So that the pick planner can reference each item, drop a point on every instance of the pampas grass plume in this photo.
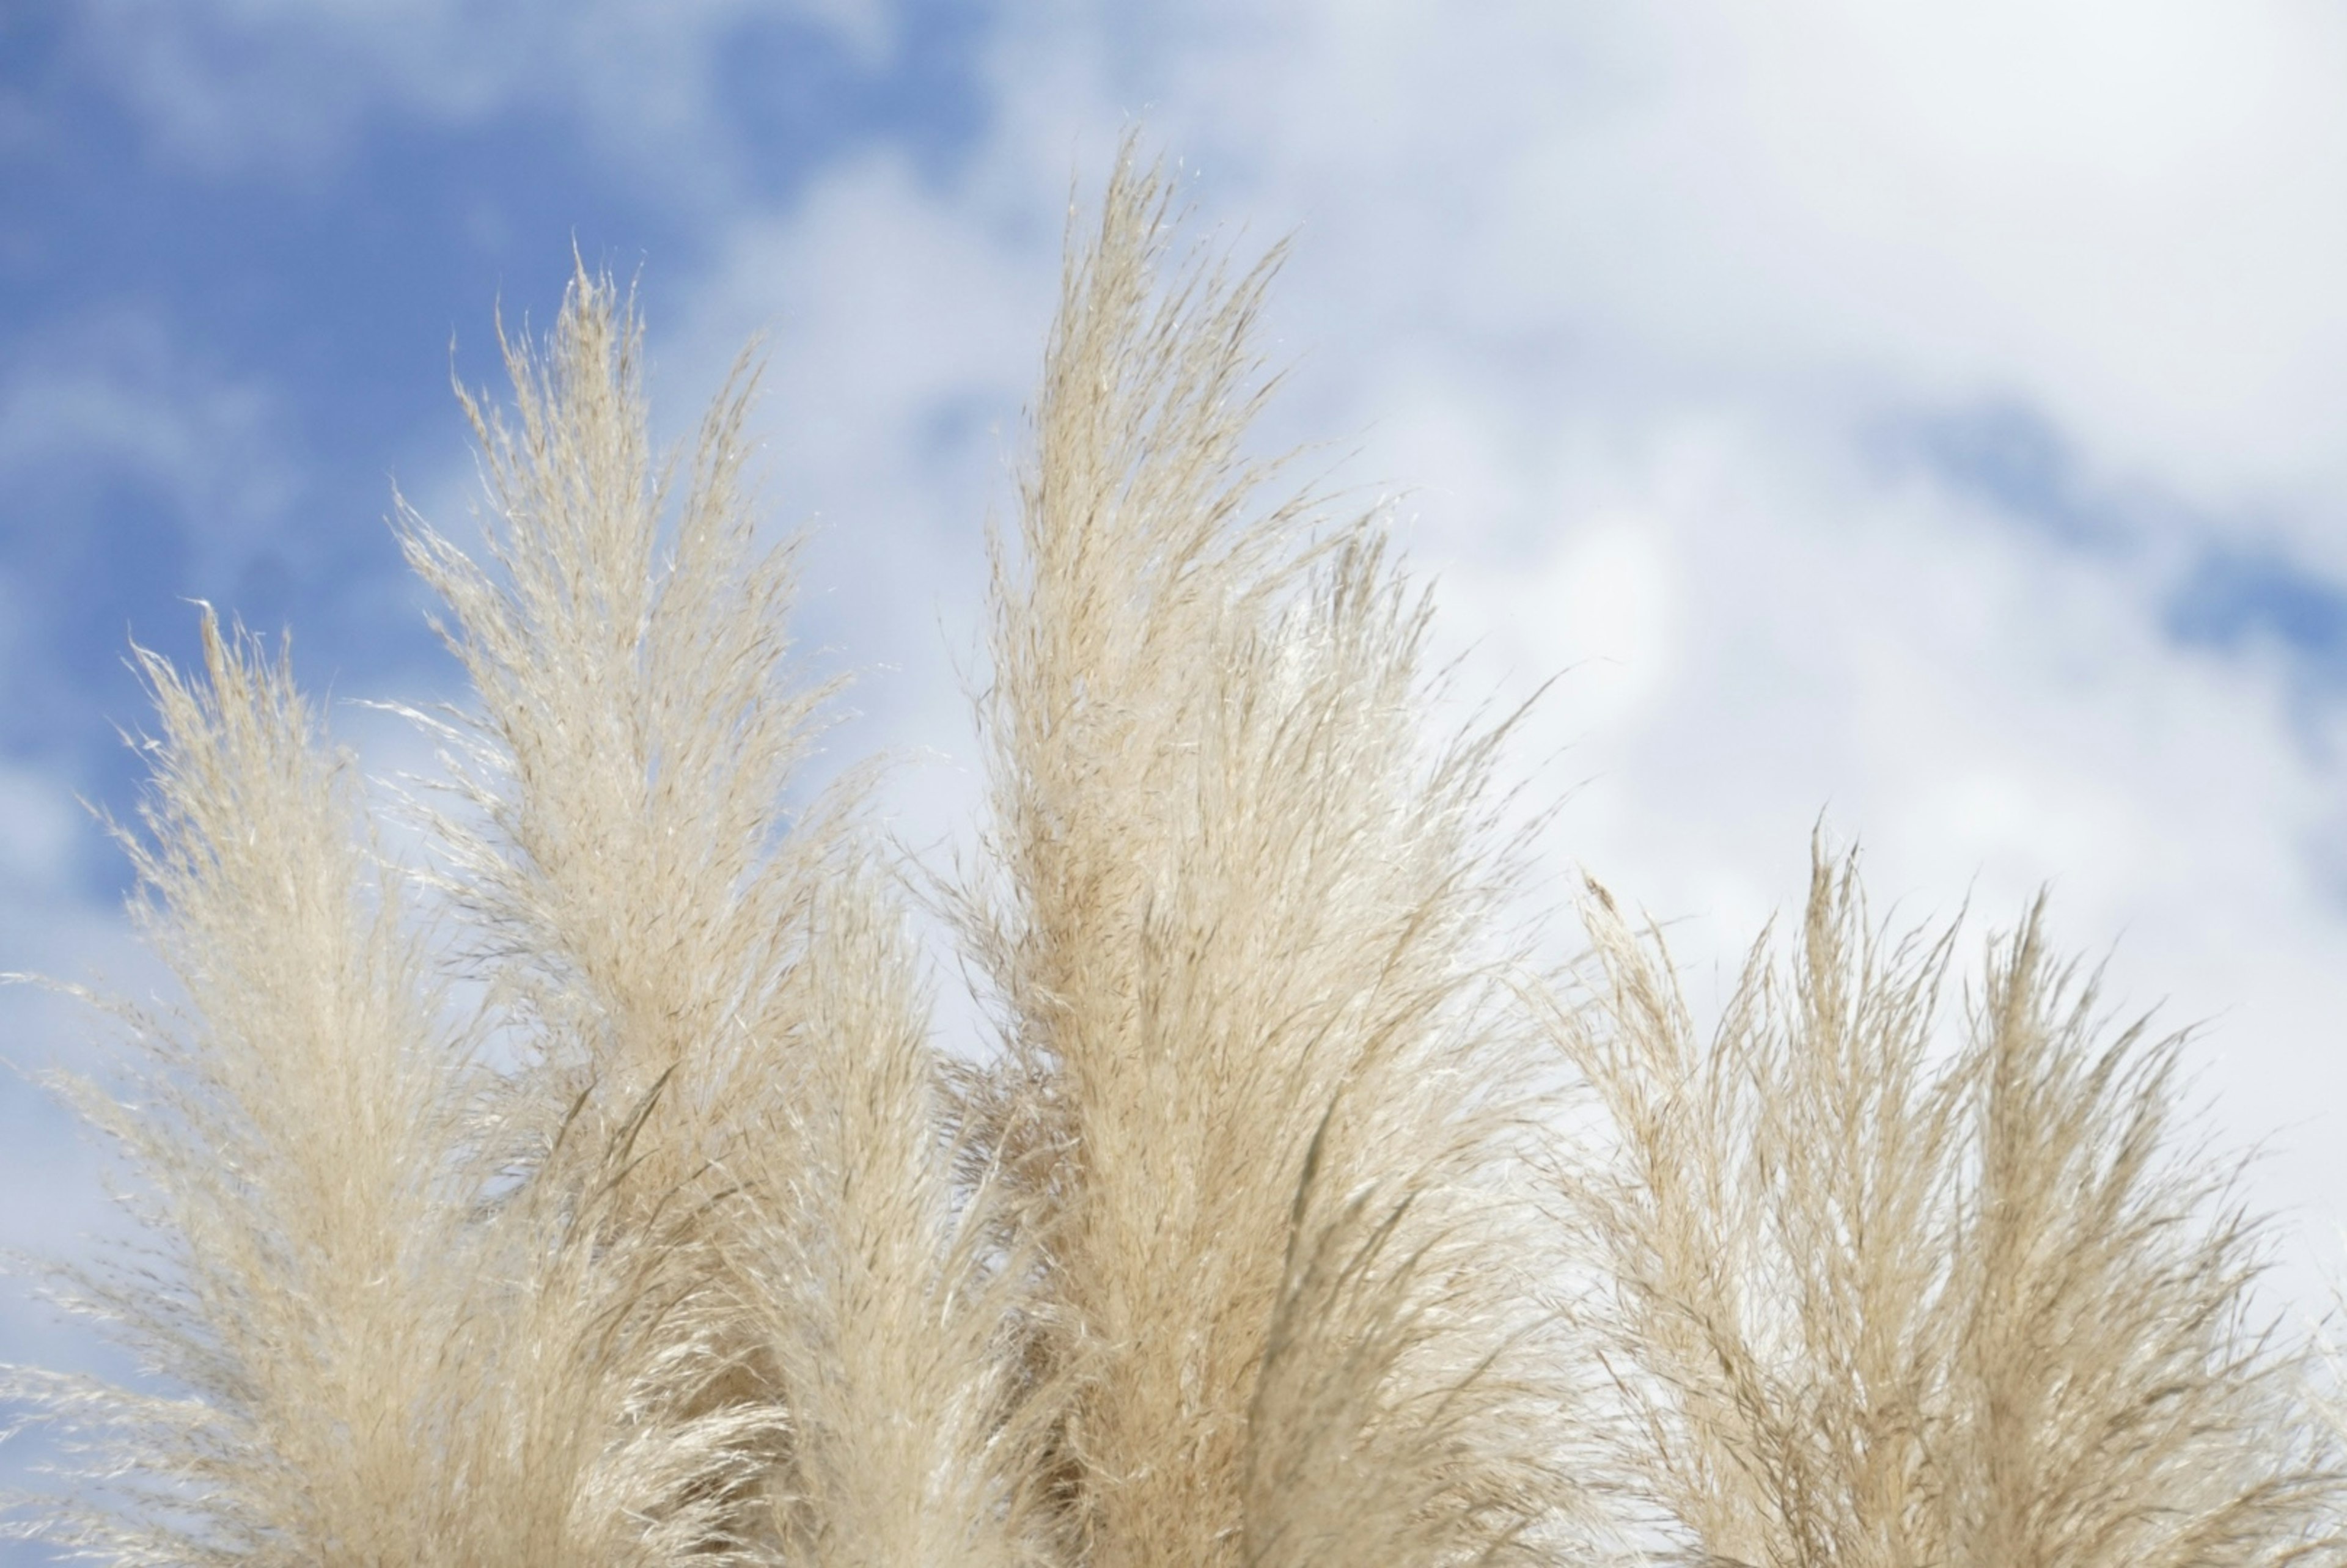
(592, 1191)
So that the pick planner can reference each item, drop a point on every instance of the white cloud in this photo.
(114, 394)
(283, 85)
(902, 332)
(1626, 296)
(2122, 213)
(37, 829)
(1622, 294)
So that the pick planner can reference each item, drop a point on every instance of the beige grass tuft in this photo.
(626, 860)
(1878, 1300)
(360, 1367)
(1245, 902)
(639, 886)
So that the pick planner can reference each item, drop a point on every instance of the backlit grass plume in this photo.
(689, 961)
(361, 1365)
(624, 869)
(593, 1192)
(296, 1118)
(1879, 1297)
(1247, 916)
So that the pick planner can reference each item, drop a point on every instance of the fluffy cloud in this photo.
(1849, 398)
(1855, 400)
(280, 87)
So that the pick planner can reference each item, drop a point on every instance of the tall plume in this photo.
(717, 978)
(1876, 1297)
(1241, 904)
(626, 858)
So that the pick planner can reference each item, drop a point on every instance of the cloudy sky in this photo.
(1925, 415)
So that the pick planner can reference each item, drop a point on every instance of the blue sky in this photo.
(1929, 415)
(221, 344)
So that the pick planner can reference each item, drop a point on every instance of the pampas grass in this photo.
(296, 1120)
(362, 1369)
(1874, 1295)
(1246, 916)
(593, 1192)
